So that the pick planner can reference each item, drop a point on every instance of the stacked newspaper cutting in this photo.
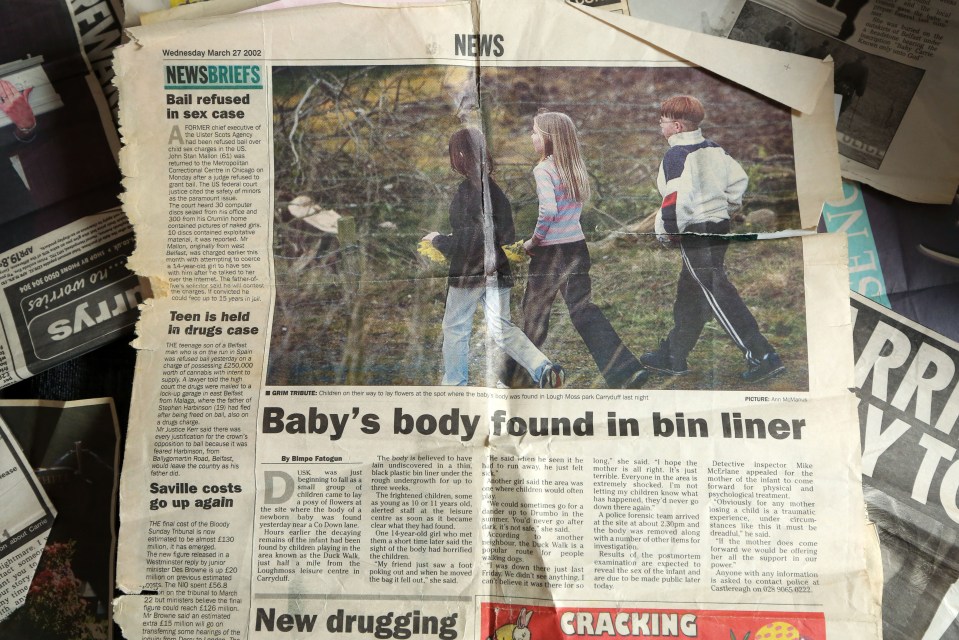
(326, 438)
(298, 181)
(64, 239)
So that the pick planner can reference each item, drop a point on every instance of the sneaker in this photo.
(770, 365)
(553, 377)
(637, 380)
(661, 361)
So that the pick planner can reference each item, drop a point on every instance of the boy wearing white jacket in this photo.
(701, 184)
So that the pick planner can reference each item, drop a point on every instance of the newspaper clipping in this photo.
(64, 286)
(72, 450)
(27, 518)
(905, 335)
(323, 440)
(894, 61)
(905, 379)
(152, 11)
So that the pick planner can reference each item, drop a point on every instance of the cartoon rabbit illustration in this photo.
(521, 630)
(518, 631)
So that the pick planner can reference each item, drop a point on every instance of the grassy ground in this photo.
(634, 285)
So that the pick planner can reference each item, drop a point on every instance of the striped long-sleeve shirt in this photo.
(558, 221)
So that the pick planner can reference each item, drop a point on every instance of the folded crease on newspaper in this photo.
(322, 438)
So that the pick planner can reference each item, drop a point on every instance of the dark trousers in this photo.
(563, 269)
(704, 291)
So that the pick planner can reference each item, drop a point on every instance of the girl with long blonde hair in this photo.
(560, 260)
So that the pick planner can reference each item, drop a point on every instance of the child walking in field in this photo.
(560, 261)
(482, 222)
(700, 184)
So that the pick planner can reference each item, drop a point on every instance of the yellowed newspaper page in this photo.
(325, 434)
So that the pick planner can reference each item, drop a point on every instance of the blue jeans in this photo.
(461, 303)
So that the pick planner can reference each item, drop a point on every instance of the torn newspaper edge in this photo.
(273, 435)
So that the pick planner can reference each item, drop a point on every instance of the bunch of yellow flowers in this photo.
(426, 248)
(514, 252)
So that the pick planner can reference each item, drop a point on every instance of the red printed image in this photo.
(528, 622)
